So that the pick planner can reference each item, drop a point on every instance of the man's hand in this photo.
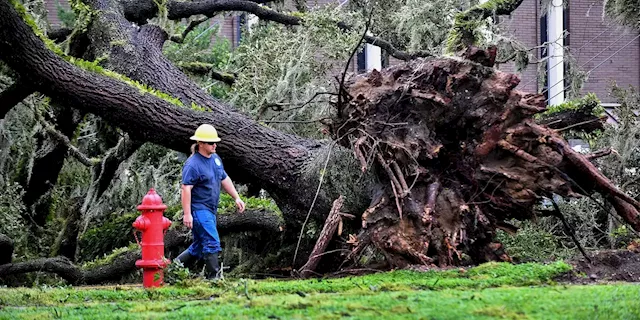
(240, 204)
(188, 220)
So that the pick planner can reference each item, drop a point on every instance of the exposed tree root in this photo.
(465, 139)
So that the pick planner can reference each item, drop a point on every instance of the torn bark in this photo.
(329, 229)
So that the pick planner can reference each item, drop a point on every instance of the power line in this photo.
(584, 64)
(599, 64)
(584, 45)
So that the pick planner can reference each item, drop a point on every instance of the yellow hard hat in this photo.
(206, 133)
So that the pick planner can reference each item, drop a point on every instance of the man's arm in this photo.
(227, 185)
(186, 206)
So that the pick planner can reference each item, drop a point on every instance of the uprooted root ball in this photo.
(458, 154)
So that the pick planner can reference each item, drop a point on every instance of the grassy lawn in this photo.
(492, 290)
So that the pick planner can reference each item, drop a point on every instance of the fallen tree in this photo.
(450, 141)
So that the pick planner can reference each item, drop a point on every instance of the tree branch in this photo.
(112, 160)
(179, 10)
(463, 33)
(600, 154)
(75, 152)
(182, 9)
(192, 25)
(329, 229)
(13, 95)
(59, 35)
(207, 68)
(250, 220)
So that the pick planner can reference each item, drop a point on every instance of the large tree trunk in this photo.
(285, 165)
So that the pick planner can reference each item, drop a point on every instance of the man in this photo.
(202, 176)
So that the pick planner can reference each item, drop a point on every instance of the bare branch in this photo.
(112, 160)
(13, 95)
(58, 265)
(192, 25)
(600, 154)
(75, 152)
(329, 229)
(138, 10)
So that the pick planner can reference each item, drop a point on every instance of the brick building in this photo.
(609, 51)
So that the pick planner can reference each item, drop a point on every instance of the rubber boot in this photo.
(212, 267)
(186, 258)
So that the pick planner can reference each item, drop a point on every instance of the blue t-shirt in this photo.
(204, 174)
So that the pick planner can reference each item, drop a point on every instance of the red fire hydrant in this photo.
(152, 224)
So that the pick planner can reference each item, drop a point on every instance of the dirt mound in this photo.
(608, 265)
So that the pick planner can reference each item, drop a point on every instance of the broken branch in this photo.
(192, 25)
(75, 152)
(329, 229)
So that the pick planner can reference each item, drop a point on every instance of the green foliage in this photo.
(202, 45)
(622, 236)
(151, 166)
(228, 205)
(469, 26)
(624, 12)
(279, 69)
(589, 104)
(108, 259)
(67, 17)
(115, 231)
(533, 242)
(423, 25)
(178, 275)
(11, 212)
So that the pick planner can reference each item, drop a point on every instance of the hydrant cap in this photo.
(152, 201)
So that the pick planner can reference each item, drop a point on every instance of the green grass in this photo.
(490, 290)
